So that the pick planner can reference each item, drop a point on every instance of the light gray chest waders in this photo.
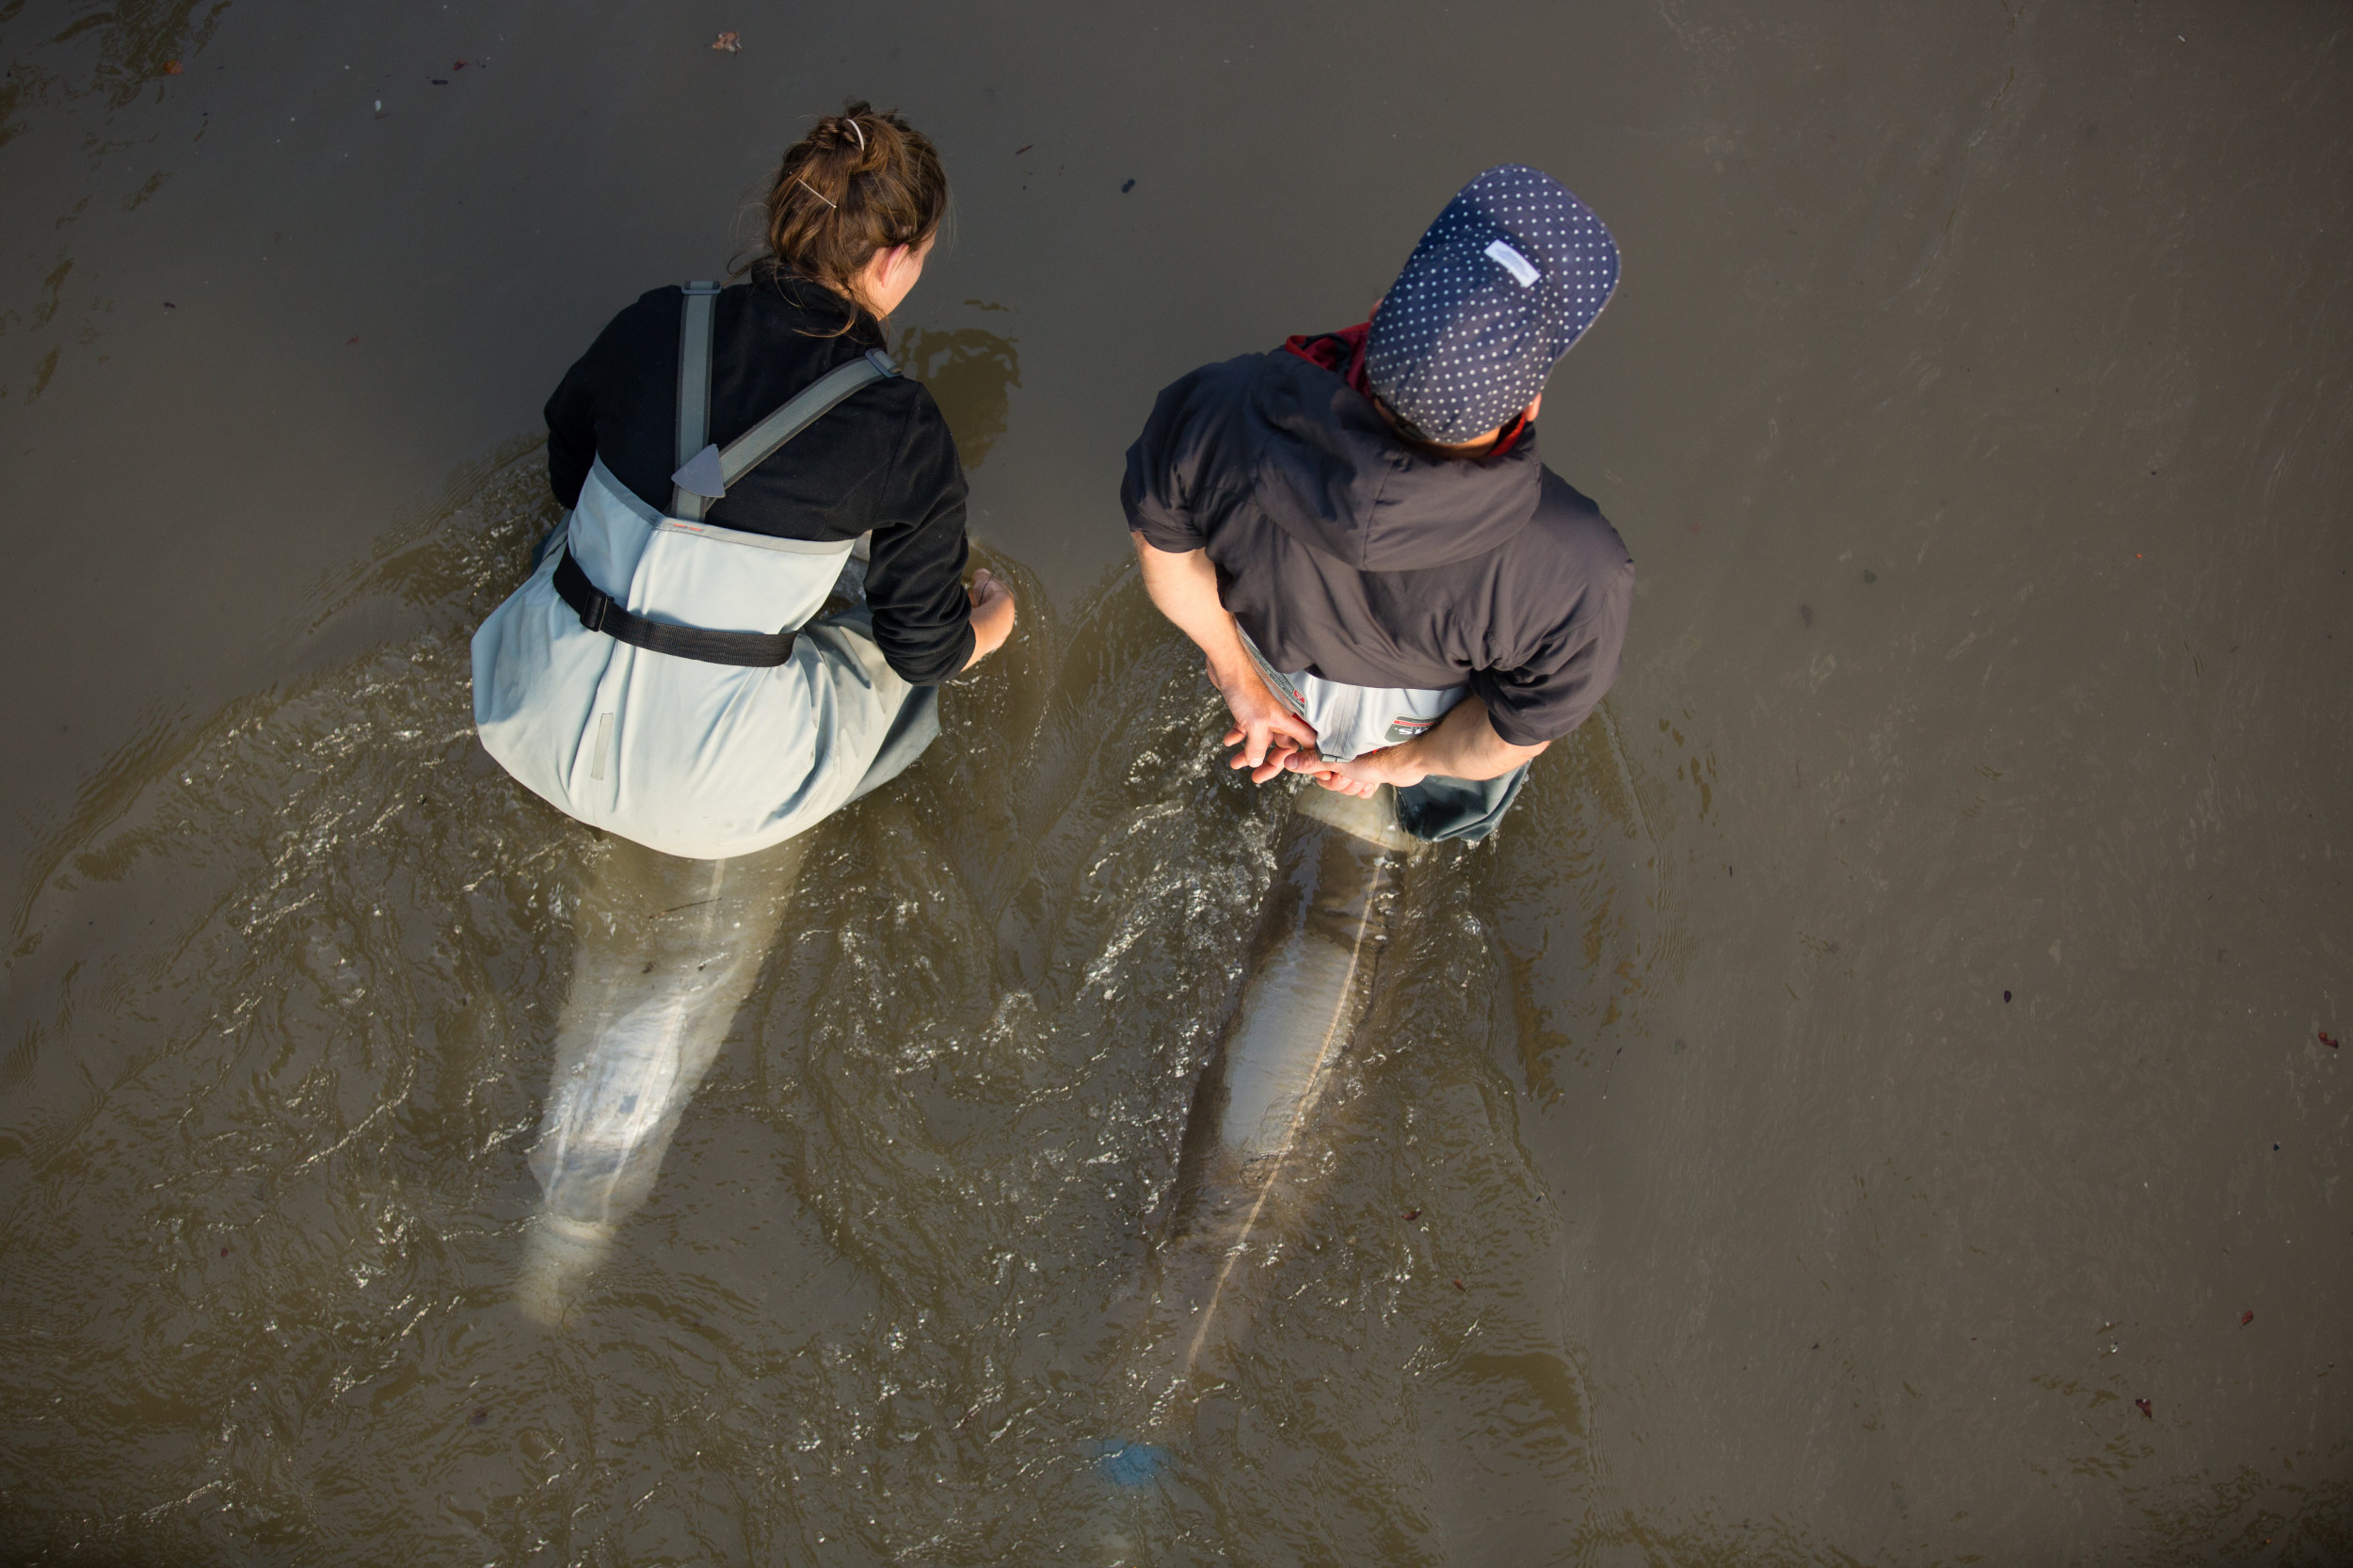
(663, 677)
(705, 474)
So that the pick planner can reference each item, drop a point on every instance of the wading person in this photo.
(1389, 586)
(663, 676)
(1395, 596)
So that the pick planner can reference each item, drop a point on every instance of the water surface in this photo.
(1883, 1047)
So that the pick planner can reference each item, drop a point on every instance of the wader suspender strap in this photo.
(694, 389)
(711, 473)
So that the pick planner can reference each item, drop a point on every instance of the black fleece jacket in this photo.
(1346, 553)
(883, 459)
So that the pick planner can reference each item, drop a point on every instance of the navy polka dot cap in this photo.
(1511, 274)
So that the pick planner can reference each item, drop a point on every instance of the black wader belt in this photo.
(598, 611)
(715, 473)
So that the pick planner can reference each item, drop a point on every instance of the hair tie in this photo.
(855, 132)
(815, 192)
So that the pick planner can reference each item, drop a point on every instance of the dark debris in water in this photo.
(480, 1416)
(1126, 188)
(2326, 1041)
(2246, 1317)
(1412, 1214)
(2146, 1413)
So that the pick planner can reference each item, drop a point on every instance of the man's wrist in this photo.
(1229, 669)
(1406, 763)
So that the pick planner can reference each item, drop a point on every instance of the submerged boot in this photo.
(558, 1259)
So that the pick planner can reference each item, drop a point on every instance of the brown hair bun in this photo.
(860, 182)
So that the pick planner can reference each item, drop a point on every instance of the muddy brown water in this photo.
(1846, 1117)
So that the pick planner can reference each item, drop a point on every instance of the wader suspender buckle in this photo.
(704, 474)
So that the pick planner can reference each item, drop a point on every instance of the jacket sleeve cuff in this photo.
(1160, 528)
(940, 673)
(1523, 723)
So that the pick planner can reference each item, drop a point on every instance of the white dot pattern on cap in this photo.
(1461, 345)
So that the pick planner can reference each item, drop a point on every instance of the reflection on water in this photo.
(970, 372)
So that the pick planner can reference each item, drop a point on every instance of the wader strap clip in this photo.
(758, 445)
(705, 473)
(598, 611)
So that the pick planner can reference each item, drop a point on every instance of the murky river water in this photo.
(1847, 1114)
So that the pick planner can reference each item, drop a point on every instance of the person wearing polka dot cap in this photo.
(1389, 587)
(1502, 285)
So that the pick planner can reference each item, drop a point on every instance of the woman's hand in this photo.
(992, 614)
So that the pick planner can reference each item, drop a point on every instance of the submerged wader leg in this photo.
(1340, 863)
(666, 951)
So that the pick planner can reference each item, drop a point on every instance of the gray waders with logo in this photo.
(1350, 721)
(636, 681)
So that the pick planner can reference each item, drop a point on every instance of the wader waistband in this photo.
(600, 612)
(705, 473)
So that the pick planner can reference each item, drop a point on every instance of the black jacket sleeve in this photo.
(915, 582)
(571, 414)
(1155, 492)
(1562, 675)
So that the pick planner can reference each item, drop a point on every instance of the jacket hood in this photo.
(1333, 475)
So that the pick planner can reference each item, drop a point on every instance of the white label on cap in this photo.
(1512, 263)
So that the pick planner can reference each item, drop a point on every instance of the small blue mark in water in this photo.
(1129, 1463)
(1126, 188)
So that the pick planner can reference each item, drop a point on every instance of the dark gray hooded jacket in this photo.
(1345, 553)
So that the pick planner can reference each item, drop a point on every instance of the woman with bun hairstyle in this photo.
(671, 742)
(731, 457)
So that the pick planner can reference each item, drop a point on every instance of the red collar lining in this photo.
(1343, 353)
